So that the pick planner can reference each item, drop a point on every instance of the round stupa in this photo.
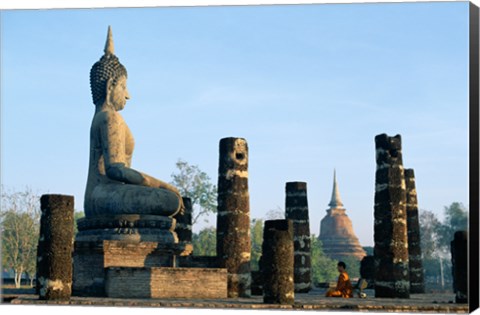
(336, 231)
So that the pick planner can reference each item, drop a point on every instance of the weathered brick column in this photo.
(233, 216)
(459, 250)
(296, 209)
(392, 277)
(183, 227)
(417, 284)
(55, 246)
(278, 262)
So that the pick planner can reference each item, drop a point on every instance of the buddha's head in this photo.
(108, 79)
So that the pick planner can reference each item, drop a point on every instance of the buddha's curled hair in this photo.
(107, 67)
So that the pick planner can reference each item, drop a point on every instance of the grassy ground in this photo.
(9, 291)
(12, 286)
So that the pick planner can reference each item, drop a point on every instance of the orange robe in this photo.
(344, 287)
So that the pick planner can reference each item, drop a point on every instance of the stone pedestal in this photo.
(414, 250)
(54, 251)
(183, 227)
(131, 228)
(296, 210)
(233, 216)
(122, 241)
(392, 277)
(277, 262)
(459, 250)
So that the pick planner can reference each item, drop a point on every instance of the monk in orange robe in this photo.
(344, 286)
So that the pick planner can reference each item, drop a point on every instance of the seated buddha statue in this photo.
(113, 186)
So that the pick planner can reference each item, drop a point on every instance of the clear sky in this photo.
(308, 86)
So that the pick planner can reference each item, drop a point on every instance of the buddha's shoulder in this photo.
(108, 117)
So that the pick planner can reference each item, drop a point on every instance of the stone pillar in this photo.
(417, 284)
(296, 209)
(392, 277)
(278, 262)
(367, 269)
(183, 227)
(233, 216)
(257, 283)
(459, 250)
(55, 246)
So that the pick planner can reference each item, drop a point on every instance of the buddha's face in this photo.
(117, 93)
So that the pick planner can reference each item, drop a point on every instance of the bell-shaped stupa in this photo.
(336, 231)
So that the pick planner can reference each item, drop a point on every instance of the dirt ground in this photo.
(314, 300)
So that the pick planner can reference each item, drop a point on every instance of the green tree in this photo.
(77, 215)
(435, 237)
(324, 269)
(437, 272)
(256, 231)
(368, 250)
(205, 242)
(429, 239)
(275, 214)
(31, 263)
(456, 219)
(433, 261)
(353, 266)
(20, 225)
(196, 185)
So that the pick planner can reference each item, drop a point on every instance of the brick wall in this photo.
(165, 282)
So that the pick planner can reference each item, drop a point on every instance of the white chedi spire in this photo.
(335, 202)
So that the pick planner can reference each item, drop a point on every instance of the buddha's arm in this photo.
(119, 172)
(113, 139)
(112, 131)
(153, 182)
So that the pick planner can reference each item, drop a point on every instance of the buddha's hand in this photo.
(182, 206)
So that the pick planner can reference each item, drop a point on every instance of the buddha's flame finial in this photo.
(109, 44)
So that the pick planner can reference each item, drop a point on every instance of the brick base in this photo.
(193, 283)
(90, 260)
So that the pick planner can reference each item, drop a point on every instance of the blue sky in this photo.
(308, 86)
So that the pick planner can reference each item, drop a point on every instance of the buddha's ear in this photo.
(109, 87)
